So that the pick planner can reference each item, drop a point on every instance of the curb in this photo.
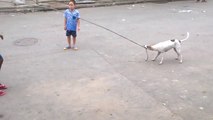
(61, 5)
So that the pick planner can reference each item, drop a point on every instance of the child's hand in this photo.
(78, 28)
(65, 27)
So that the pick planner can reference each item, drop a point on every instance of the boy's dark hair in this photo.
(73, 1)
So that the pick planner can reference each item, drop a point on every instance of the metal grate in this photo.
(26, 42)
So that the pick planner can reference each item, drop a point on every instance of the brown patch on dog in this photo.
(173, 40)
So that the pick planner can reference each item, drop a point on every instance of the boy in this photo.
(71, 24)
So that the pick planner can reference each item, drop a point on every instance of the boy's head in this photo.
(71, 5)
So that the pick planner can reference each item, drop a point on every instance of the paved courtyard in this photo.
(108, 77)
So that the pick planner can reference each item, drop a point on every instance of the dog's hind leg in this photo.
(161, 61)
(156, 56)
(179, 56)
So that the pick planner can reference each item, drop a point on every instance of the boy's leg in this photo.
(74, 35)
(74, 44)
(68, 33)
(74, 41)
(1, 61)
(69, 43)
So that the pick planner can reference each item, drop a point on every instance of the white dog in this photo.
(166, 46)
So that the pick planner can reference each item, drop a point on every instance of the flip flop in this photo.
(2, 86)
(66, 48)
(75, 48)
(2, 93)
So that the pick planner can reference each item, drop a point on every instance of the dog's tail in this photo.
(1, 36)
(185, 38)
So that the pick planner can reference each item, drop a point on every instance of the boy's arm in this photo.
(65, 23)
(78, 24)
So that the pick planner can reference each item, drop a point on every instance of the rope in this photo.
(103, 28)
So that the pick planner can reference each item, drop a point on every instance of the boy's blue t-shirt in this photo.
(71, 17)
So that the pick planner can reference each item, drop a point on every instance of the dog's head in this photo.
(145, 46)
(1, 36)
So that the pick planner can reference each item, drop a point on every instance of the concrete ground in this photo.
(107, 78)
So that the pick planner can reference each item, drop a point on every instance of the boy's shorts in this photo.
(70, 32)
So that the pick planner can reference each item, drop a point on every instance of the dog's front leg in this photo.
(181, 59)
(178, 54)
(156, 56)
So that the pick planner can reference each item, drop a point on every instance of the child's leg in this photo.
(74, 43)
(69, 41)
(68, 34)
(74, 35)
(1, 61)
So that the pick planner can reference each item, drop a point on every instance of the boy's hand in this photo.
(65, 27)
(78, 28)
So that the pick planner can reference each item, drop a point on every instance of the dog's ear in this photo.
(173, 40)
(1, 36)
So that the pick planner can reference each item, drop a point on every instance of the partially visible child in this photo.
(71, 24)
(2, 86)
